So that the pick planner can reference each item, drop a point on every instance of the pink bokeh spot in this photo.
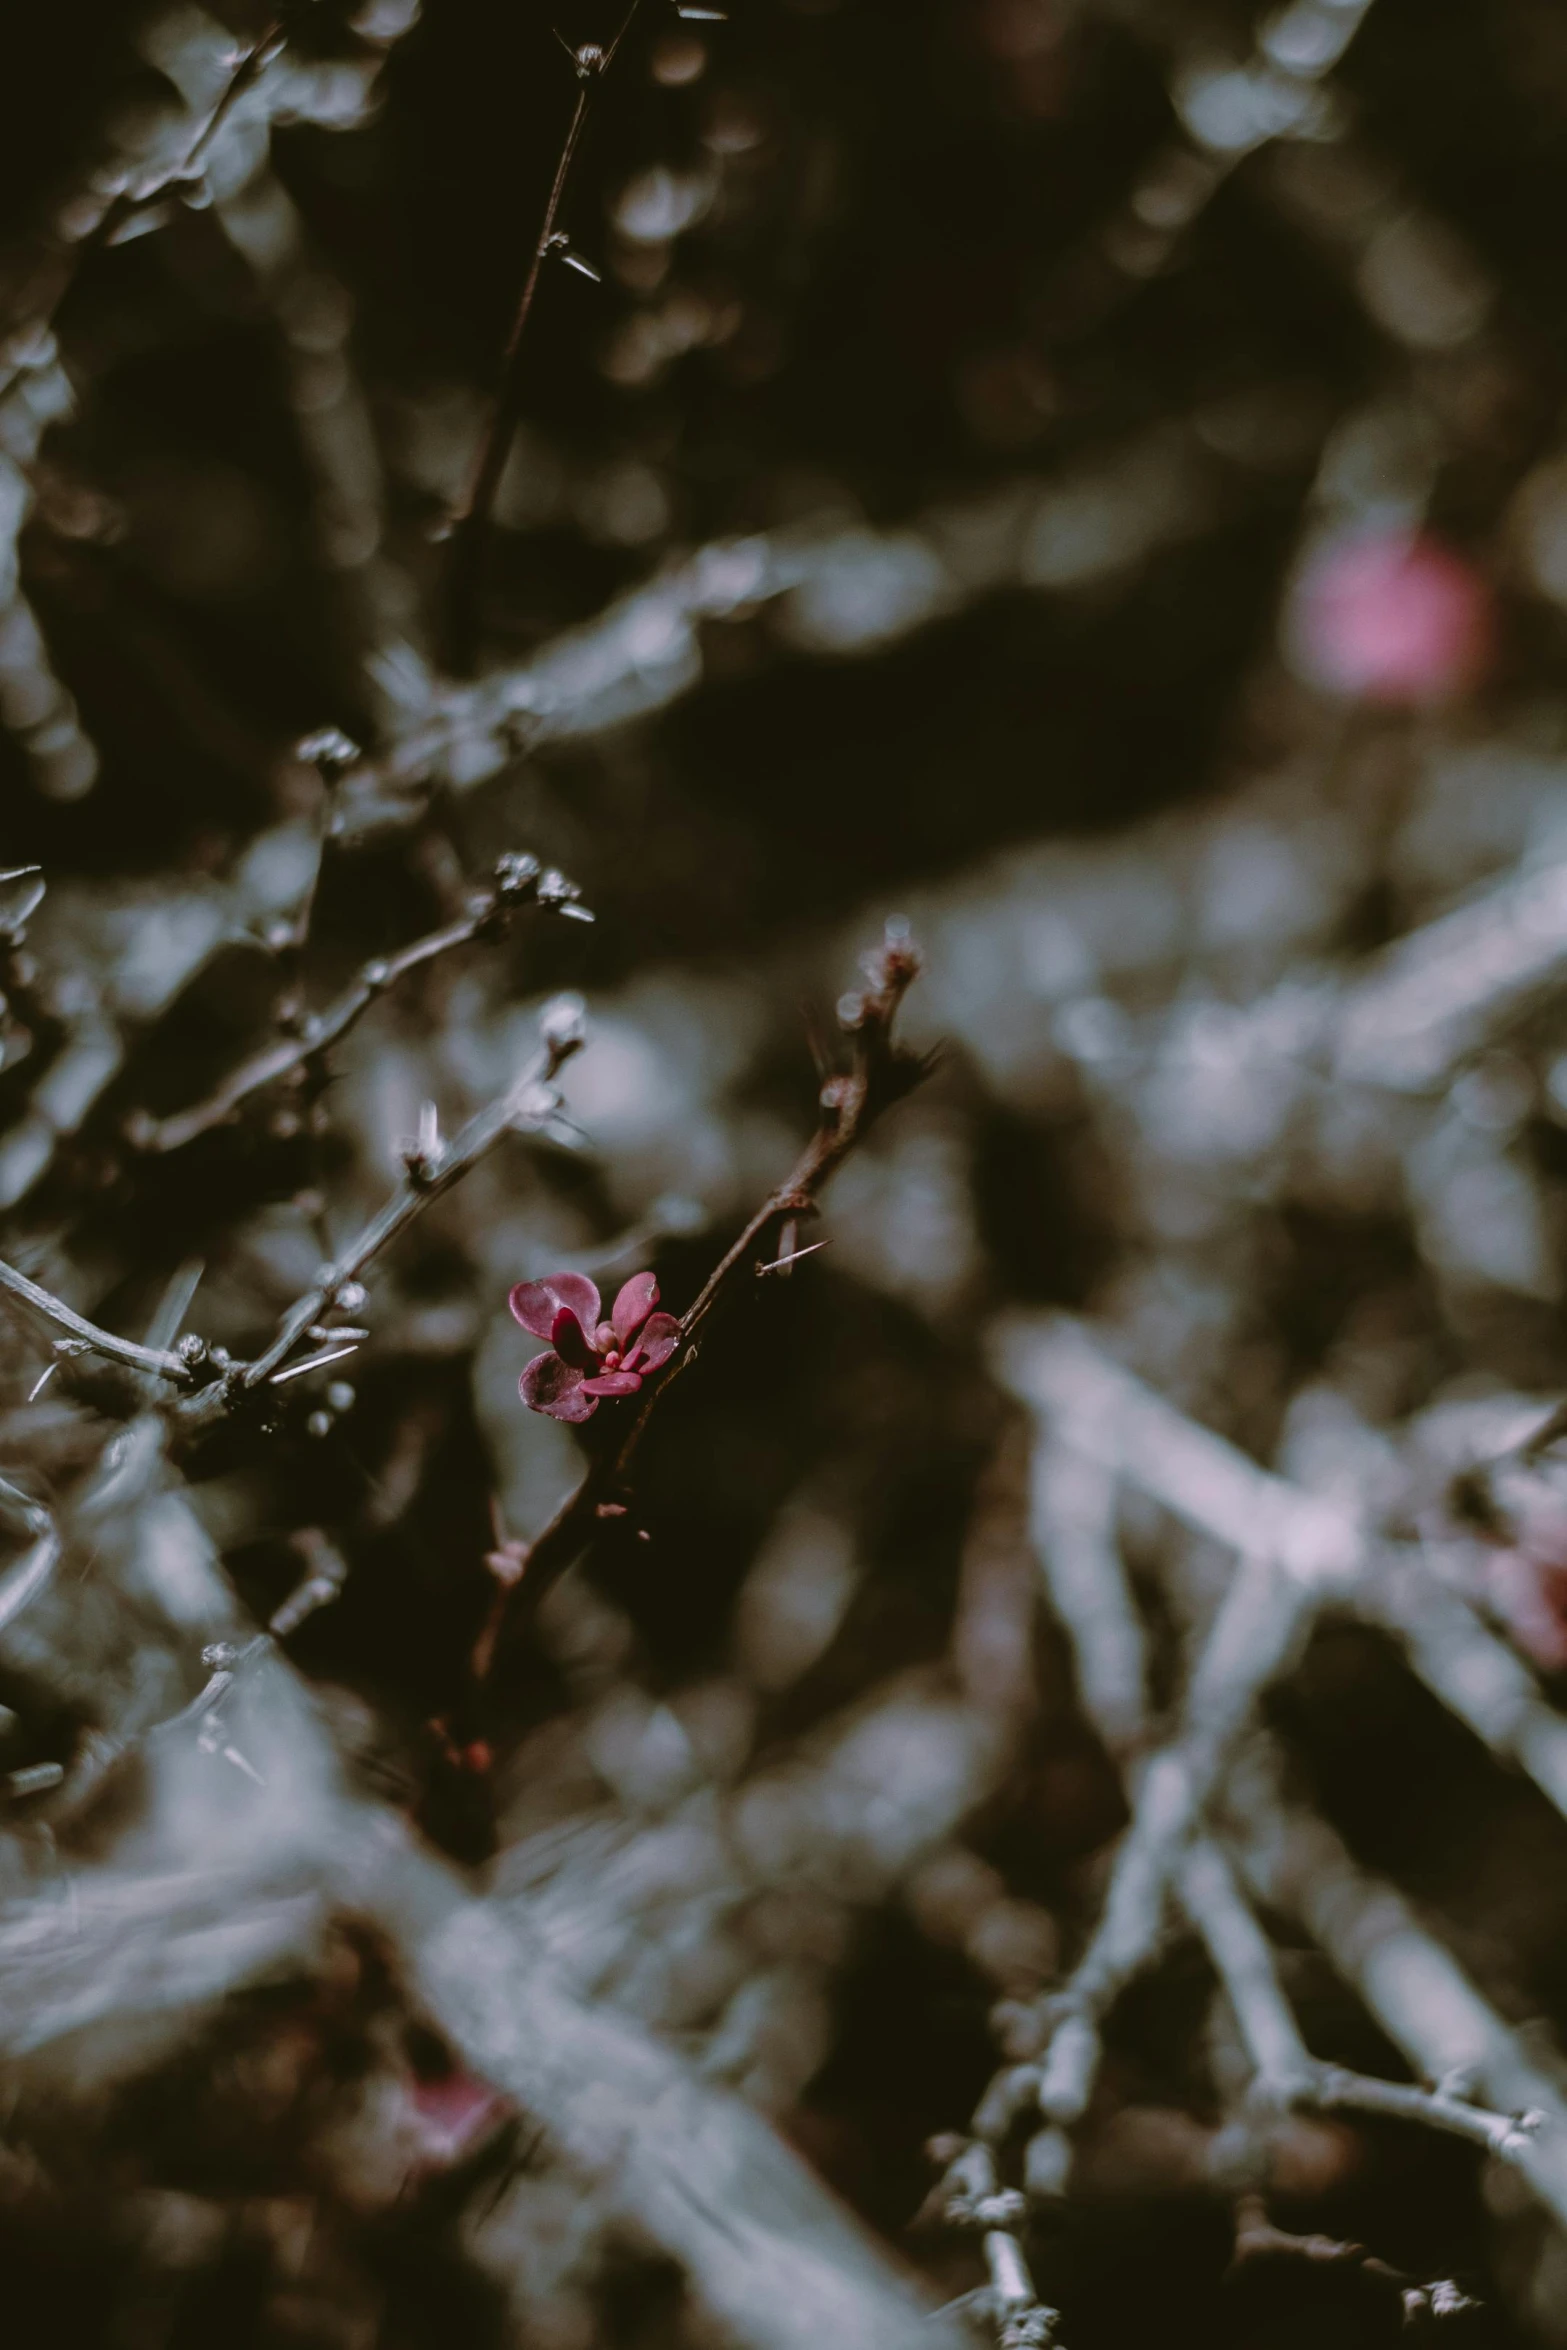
(1390, 619)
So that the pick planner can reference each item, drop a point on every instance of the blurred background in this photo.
(1084, 477)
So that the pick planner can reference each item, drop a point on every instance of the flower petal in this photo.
(549, 1385)
(633, 1306)
(659, 1338)
(578, 1405)
(612, 1383)
(571, 1341)
(536, 1303)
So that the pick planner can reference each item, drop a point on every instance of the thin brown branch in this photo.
(880, 1071)
(470, 524)
(1258, 2242)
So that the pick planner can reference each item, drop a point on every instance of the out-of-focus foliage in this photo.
(1083, 476)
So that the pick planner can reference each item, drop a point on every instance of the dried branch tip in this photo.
(329, 750)
(21, 894)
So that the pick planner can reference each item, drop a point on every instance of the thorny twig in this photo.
(159, 1362)
(429, 1172)
(880, 1072)
(471, 521)
(1260, 1634)
(432, 1167)
(518, 882)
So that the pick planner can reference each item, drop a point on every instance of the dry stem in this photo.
(519, 882)
(471, 522)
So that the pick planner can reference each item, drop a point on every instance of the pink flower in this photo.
(589, 1359)
(1386, 617)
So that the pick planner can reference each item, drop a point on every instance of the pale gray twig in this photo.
(159, 1362)
(1287, 2075)
(1072, 1514)
(971, 2196)
(1414, 1988)
(518, 882)
(1437, 994)
(26, 1576)
(1474, 1674)
(1056, 1367)
(530, 1102)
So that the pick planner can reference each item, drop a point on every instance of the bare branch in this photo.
(1257, 1629)
(1414, 1988)
(1297, 1552)
(471, 522)
(27, 1575)
(1258, 2240)
(530, 1102)
(1443, 990)
(971, 2196)
(1288, 2076)
(779, 2264)
(1072, 1520)
(519, 882)
(1055, 1366)
(1475, 1675)
(157, 1361)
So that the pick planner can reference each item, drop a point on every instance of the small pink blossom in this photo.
(1386, 617)
(589, 1359)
